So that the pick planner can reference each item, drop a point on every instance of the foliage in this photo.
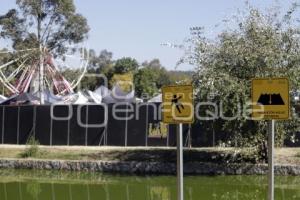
(34, 189)
(260, 44)
(162, 75)
(150, 78)
(101, 63)
(54, 24)
(147, 80)
(145, 83)
(98, 66)
(51, 25)
(125, 65)
(4, 58)
(183, 77)
(32, 149)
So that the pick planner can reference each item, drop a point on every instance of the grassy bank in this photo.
(215, 155)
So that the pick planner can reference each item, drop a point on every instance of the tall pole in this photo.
(179, 163)
(271, 132)
(41, 60)
(41, 76)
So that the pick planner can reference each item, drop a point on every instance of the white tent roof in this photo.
(102, 91)
(92, 96)
(157, 98)
(49, 96)
(138, 100)
(82, 97)
(76, 98)
(118, 95)
(2, 98)
(108, 99)
(101, 95)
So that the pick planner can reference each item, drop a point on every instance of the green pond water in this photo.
(46, 185)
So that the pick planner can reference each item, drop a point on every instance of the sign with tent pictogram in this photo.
(270, 98)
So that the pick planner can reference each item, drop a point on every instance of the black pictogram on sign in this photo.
(175, 102)
(270, 99)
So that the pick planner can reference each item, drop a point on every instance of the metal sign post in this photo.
(179, 163)
(271, 133)
(178, 108)
(271, 94)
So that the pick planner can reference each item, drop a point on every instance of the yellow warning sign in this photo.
(178, 104)
(270, 98)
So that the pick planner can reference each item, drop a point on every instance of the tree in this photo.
(38, 29)
(125, 65)
(4, 58)
(105, 61)
(162, 76)
(145, 83)
(261, 45)
(150, 78)
(54, 24)
(101, 64)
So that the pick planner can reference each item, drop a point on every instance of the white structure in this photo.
(27, 74)
(2, 98)
(82, 97)
(157, 99)
(115, 95)
(48, 96)
(102, 91)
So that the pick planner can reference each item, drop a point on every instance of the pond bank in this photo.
(147, 160)
(134, 167)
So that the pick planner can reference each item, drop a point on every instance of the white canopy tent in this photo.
(2, 98)
(118, 95)
(92, 96)
(115, 95)
(102, 91)
(82, 97)
(157, 99)
(49, 96)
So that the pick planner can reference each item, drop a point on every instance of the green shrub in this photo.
(32, 149)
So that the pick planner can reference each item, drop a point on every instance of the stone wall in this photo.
(134, 167)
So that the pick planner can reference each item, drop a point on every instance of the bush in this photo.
(32, 149)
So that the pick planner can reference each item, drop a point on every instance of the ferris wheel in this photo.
(38, 69)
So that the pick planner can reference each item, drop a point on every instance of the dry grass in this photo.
(287, 156)
(71, 152)
(282, 155)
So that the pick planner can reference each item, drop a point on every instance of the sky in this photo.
(137, 28)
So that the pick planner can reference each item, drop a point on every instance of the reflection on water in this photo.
(41, 185)
(33, 189)
(159, 193)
